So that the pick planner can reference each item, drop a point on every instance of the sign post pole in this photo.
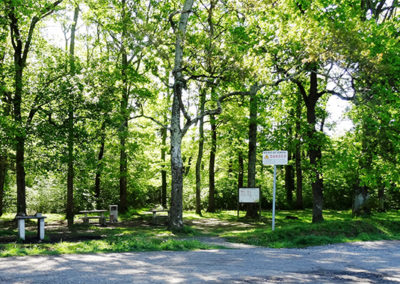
(274, 158)
(273, 200)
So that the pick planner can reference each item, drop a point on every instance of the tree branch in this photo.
(253, 90)
(345, 98)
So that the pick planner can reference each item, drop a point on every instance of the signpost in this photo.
(274, 158)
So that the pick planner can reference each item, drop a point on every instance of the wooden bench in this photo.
(40, 225)
(86, 218)
(155, 211)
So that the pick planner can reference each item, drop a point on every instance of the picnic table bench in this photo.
(40, 225)
(101, 217)
(155, 211)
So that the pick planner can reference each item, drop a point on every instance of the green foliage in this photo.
(227, 49)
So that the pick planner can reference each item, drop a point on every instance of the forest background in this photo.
(171, 102)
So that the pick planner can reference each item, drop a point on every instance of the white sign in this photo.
(249, 195)
(275, 158)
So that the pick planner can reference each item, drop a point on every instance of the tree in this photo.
(252, 209)
(21, 38)
(70, 123)
(4, 107)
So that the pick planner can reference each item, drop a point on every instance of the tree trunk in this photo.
(123, 168)
(20, 135)
(252, 209)
(289, 182)
(289, 172)
(70, 174)
(99, 168)
(5, 112)
(314, 149)
(70, 123)
(299, 171)
(163, 170)
(176, 220)
(211, 167)
(241, 169)
(361, 194)
(124, 115)
(200, 153)
(3, 174)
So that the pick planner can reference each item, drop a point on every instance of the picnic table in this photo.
(158, 210)
(102, 219)
(40, 225)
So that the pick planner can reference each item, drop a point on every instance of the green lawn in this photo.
(136, 233)
(339, 226)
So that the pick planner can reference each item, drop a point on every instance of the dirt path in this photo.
(368, 262)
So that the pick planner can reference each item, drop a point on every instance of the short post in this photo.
(21, 228)
(41, 228)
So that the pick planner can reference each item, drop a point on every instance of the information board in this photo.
(249, 195)
(275, 158)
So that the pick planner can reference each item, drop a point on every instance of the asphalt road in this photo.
(367, 262)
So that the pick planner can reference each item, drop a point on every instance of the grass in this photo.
(113, 244)
(135, 233)
(338, 227)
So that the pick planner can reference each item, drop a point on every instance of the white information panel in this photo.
(275, 158)
(249, 195)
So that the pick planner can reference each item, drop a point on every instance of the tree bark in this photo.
(124, 114)
(299, 171)
(200, 153)
(289, 172)
(70, 123)
(361, 192)
(3, 175)
(5, 112)
(241, 169)
(176, 220)
(211, 167)
(99, 168)
(314, 148)
(252, 209)
(163, 170)
(19, 65)
(289, 181)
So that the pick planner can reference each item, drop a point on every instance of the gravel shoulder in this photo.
(360, 262)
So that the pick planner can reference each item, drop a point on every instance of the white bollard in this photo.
(21, 228)
(41, 229)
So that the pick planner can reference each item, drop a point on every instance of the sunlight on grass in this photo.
(293, 231)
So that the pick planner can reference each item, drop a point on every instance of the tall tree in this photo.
(4, 105)
(70, 123)
(176, 221)
(19, 19)
(297, 154)
(124, 114)
(252, 209)
(200, 152)
(211, 167)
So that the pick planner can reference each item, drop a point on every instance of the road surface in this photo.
(361, 262)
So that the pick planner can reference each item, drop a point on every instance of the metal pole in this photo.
(273, 200)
